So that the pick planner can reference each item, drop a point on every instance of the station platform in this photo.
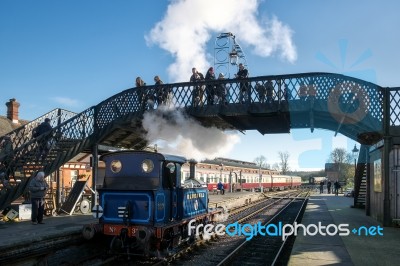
(23, 232)
(352, 249)
(21, 235)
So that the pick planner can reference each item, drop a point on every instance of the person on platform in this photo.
(336, 186)
(321, 187)
(221, 188)
(38, 188)
(329, 185)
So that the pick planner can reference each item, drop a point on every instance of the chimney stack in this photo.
(12, 110)
(192, 169)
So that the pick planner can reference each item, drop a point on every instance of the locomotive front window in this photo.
(116, 166)
(147, 166)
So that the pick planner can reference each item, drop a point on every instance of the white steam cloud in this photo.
(189, 24)
(182, 135)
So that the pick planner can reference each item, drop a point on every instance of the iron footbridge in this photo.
(268, 104)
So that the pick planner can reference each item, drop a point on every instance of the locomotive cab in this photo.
(142, 198)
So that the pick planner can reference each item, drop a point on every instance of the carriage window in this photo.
(147, 166)
(116, 166)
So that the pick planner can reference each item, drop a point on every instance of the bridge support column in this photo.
(386, 181)
(95, 166)
(386, 163)
(58, 190)
(369, 180)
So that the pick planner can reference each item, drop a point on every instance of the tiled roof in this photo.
(6, 125)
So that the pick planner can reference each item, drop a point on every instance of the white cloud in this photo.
(189, 24)
(65, 101)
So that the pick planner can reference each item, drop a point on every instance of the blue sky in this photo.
(74, 54)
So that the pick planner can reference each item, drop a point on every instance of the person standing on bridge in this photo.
(38, 188)
(198, 91)
(44, 142)
(161, 96)
(270, 91)
(210, 87)
(303, 91)
(287, 94)
(262, 91)
(222, 91)
(140, 92)
(243, 74)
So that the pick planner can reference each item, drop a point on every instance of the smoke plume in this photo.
(177, 134)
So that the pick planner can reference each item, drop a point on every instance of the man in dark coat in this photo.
(336, 185)
(244, 85)
(198, 91)
(329, 187)
(43, 143)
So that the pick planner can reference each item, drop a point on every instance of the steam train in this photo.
(145, 207)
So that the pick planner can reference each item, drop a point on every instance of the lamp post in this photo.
(240, 180)
(228, 54)
(230, 179)
(221, 167)
(233, 57)
(272, 183)
(259, 179)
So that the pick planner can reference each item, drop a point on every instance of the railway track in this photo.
(266, 250)
(214, 251)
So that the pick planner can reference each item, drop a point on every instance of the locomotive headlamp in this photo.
(147, 166)
(116, 166)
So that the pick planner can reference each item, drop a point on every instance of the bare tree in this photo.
(284, 163)
(261, 161)
(275, 166)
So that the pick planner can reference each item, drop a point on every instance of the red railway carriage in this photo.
(274, 182)
(238, 175)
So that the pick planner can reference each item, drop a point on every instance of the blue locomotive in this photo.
(146, 207)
